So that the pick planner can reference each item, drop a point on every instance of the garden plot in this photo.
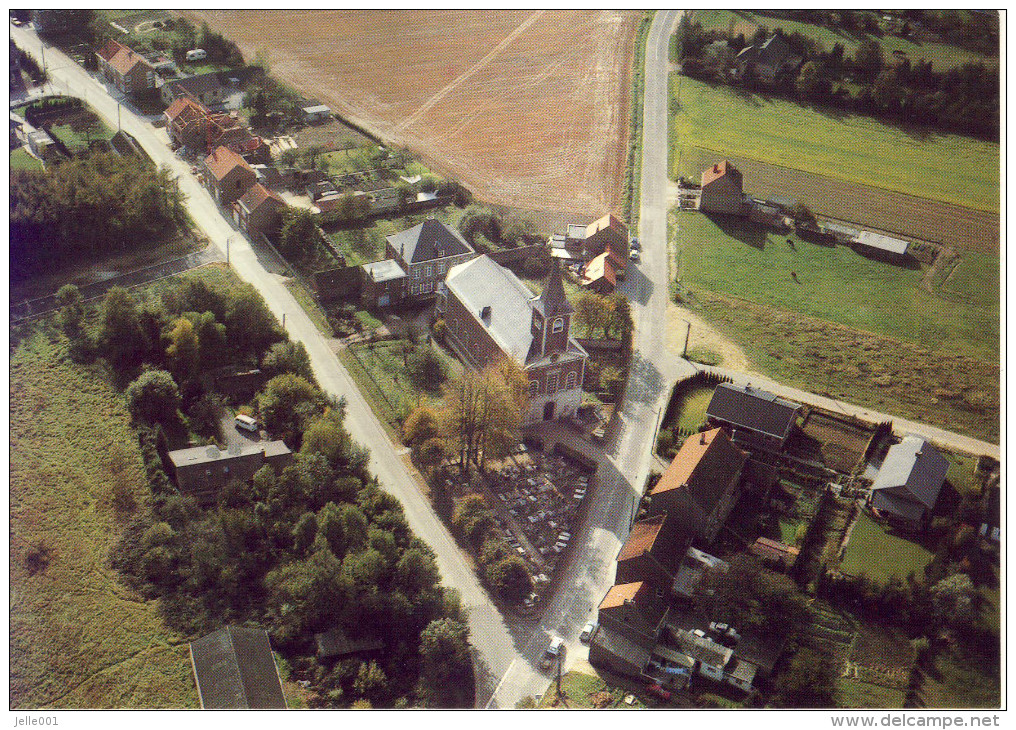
(835, 442)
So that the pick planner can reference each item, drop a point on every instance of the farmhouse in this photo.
(384, 283)
(426, 253)
(652, 552)
(722, 189)
(582, 243)
(766, 60)
(128, 71)
(228, 176)
(234, 669)
(490, 314)
(908, 484)
(602, 272)
(757, 419)
(700, 486)
(201, 471)
(205, 89)
(258, 210)
(189, 124)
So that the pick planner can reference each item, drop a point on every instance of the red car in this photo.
(658, 691)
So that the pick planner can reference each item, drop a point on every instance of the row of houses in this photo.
(192, 125)
(599, 251)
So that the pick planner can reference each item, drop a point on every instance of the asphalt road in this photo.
(495, 647)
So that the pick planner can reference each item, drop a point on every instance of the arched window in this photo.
(570, 380)
(558, 324)
(534, 388)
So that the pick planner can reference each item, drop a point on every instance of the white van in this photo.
(246, 423)
(197, 54)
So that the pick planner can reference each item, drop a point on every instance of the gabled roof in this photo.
(109, 49)
(703, 649)
(912, 471)
(705, 466)
(235, 670)
(618, 595)
(196, 85)
(428, 241)
(642, 537)
(753, 409)
(720, 169)
(601, 267)
(223, 161)
(257, 196)
(188, 108)
(336, 644)
(607, 221)
(120, 57)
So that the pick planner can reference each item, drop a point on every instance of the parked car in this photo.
(634, 255)
(553, 653)
(635, 244)
(246, 423)
(587, 632)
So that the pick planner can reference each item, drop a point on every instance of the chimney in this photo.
(716, 167)
(485, 314)
(702, 438)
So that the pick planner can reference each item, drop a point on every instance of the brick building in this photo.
(490, 314)
(228, 176)
(722, 190)
(128, 71)
(258, 210)
(201, 471)
(426, 253)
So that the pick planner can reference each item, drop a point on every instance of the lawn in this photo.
(739, 258)
(82, 126)
(881, 555)
(958, 681)
(579, 689)
(309, 305)
(857, 149)
(79, 638)
(21, 160)
(692, 408)
(853, 694)
(942, 56)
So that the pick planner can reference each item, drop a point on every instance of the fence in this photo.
(511, 255)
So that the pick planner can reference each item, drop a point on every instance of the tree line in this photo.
(89, 206)
(963, 99)
(316, 547)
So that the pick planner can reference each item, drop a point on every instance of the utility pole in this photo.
(687, 336)
(559, 676)
(228, 239)
(283, 320)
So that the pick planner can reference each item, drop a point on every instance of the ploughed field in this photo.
(528, 109)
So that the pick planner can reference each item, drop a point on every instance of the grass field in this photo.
(857, 149)
(78, 637)
(734, 256)
(21, 160)
(692, 408)
(874, 551)
(941, 56)
(851, 693)
(579, 689)
(960, 682)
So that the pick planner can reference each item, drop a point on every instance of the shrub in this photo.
(153, 397)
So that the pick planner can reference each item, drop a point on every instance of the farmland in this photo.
(965, 229)
(735, 257)
(78, 637)
(941, 55)
(527, 109)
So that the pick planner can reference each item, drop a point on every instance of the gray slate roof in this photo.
(704, 650)
(910, 478)
(235, 670)
(208, 454)
(753, 409)
(621, 646)
(428, 241)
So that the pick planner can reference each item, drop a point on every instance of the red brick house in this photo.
(383, 283)
(258, 210)
(582, 243)
(128, 71)
(602, 272)
(652, 552)
(490, 314)
(722, 190)
(426, 253)
(189, 124)
(701, 485)
(228, 176)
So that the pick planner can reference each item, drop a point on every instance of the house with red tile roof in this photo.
(701, 485)
(602, 272)
(228, 176)
(636, 610)
(128, 71)
(722, 190)
(258, 210)
(652, 552)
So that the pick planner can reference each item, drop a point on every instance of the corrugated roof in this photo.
(705, 465)
(234, 670)
(642, 537)
(430, 240)
(882, 242)
(618, 594)
(753, 409)
(223, 161)
(915, 466)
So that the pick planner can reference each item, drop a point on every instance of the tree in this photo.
(304, 533)
(510, 578)
(868, 60)
(326, 436)
(120, 332)
(446, 667)
(416, 571)
(425, 369)
(420, 425)
(370, 682)
(184, 351)
(287, 404)
(287, 357)
(430, 454)
(250, 326)
(153, 397)
(809, 682)
(71, 315)
(211, 338)
(812, 82)
(954, 600)
(591, 312)
(298, 233)
(886, 92)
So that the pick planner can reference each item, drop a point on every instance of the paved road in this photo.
(940, 436)
(495, 646)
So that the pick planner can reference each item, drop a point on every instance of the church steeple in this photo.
(552, 314)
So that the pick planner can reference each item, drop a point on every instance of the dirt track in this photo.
(528, 109)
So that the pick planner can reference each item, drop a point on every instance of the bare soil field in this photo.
(527, 109)
(908, 215)
(840, 444)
